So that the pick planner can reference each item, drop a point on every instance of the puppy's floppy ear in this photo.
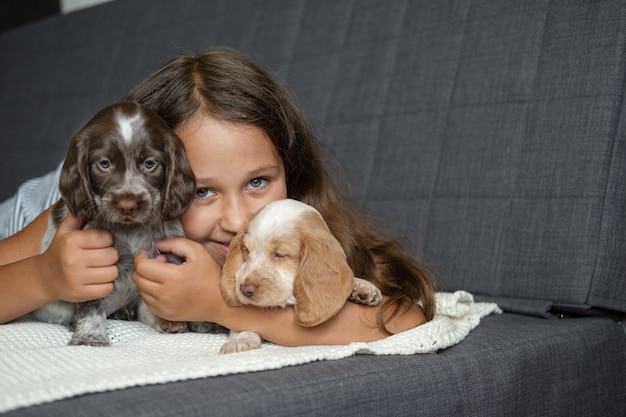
(234, 259)
(180, 182)
(74, 179)
(324, 280)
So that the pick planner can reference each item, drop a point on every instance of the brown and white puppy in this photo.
(126, 172)
(287, 256)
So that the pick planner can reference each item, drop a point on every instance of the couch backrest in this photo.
(491, 133)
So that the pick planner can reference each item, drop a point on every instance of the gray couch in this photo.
(490, 133)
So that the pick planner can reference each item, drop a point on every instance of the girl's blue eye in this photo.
(203, 192)
(257, 183)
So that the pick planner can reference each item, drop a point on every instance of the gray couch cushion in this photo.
(503, 162)
(510, 365)
(489, 132)
(490, 135)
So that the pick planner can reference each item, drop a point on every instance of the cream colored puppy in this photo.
(287, 256)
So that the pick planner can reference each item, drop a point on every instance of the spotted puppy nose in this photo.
(248, 289)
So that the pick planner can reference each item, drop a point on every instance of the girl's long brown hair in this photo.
(229, 85)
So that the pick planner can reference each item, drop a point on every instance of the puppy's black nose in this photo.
(248, 289)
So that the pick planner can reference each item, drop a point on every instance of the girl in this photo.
(248, 144)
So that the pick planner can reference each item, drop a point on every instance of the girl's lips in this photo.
(218, 250)
(221, 246)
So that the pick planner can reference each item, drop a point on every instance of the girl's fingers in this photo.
(178, 246)
(88, 238)
(95, 291)
(148, 270)
(100, 258)
(103, 275)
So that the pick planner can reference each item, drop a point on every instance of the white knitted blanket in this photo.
(36, 366)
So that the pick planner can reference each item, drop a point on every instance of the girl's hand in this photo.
(79, 265)
(186, 292)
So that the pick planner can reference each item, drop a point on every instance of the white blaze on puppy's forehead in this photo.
(128, 124)
(280, 216)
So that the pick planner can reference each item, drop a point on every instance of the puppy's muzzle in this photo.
(248, 289)
(128, 205)
(129, 208)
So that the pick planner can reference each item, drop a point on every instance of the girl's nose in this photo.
(234, 214)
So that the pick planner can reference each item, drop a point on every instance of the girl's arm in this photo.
(190, 292)
(78, 266)
(20, 289)
(353, 323)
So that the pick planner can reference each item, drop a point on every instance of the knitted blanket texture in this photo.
(37, 366)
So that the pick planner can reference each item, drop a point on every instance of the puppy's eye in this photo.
(104, 164)
(279, 256)
(149, 164)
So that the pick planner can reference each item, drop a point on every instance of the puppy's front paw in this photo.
(241, 342)
(90, 325)
(89, 340)
(166, 326)
(365, 292)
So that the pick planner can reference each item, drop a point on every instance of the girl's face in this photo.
(238, 171)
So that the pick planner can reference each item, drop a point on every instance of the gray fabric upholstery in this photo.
(511, 365)
(489, 133)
